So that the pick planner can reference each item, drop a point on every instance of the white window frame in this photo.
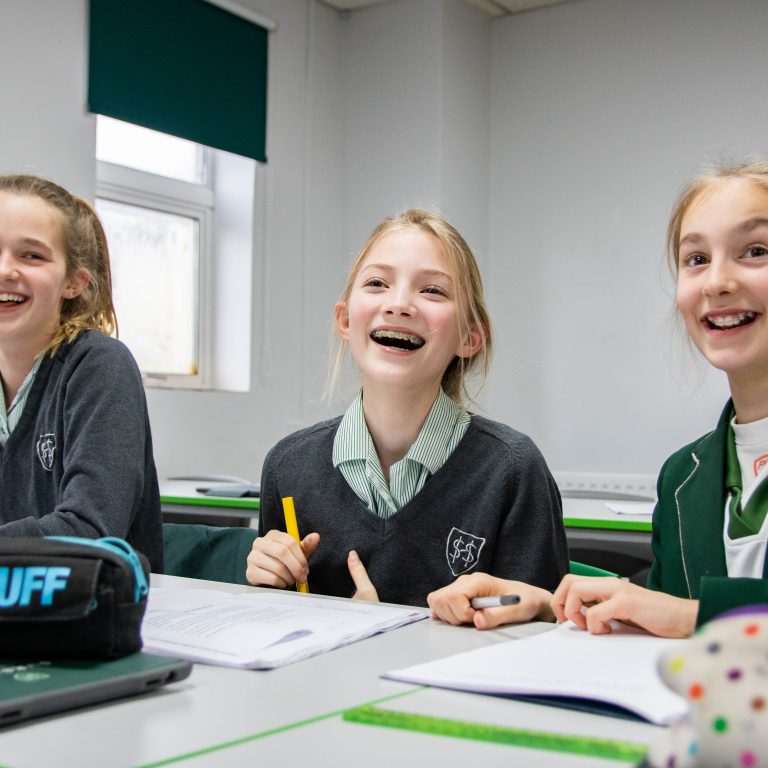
(122, 184)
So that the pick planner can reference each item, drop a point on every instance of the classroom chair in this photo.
(206, 551)
(582, 569)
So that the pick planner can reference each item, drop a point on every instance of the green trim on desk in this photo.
(212, 501)
(271, 731)
(612, 525)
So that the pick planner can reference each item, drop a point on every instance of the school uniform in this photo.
(79, 460)
(491, 506)
(688, 529)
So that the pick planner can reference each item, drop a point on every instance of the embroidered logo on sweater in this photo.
(463, 551)
(46, 448)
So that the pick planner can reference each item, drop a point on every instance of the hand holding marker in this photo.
(495, 601)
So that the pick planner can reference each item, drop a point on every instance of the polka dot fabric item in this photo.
(723, 672)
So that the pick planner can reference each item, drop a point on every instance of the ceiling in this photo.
(493, 8)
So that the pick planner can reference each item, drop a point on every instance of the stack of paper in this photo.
(618, 669)
(259, 630)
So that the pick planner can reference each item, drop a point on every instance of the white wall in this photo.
(600, 110)
(416, 106)
(465, 123)
(556, 140)
(45, 129)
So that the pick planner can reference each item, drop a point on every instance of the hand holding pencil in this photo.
(281, 560)
(292, 528)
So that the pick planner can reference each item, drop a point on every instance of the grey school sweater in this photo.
(79, 462)
(493, 507)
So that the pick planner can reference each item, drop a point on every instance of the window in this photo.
(156, 209)
(155, 284)
(181, 213)
(172, 263)
(151, 151)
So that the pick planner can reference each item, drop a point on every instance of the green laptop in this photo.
(32, 689)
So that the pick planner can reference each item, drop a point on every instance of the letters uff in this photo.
(17, 585)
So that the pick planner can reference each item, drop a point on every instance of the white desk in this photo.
(180, 498)
(591, 527)
(290, 716)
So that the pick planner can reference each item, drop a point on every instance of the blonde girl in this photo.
(408, 490)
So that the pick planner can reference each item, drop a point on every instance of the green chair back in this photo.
(207, 551)
(582, 569)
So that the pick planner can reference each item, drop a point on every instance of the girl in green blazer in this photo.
(710, 529)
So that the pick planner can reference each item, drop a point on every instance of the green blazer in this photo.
(688, 548)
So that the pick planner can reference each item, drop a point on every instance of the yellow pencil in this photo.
(292, 527)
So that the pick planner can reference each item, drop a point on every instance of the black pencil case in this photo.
(71, 598)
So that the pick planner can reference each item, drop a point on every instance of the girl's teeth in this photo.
(398, 335)
(729, 321)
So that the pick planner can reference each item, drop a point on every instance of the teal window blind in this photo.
(183, 67)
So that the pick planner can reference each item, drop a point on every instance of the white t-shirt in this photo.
(746, 556)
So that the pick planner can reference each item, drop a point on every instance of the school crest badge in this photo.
(46, 449)
(463, 551)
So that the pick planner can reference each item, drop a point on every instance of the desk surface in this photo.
(600, 536)
(184, 493)
(577, 513)
(595, 513)
(225, 718)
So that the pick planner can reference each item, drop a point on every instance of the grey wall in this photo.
(416, 95)
(45, 129)
(600, 110)
(556, 140)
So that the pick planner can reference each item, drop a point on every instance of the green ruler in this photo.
(556, 742)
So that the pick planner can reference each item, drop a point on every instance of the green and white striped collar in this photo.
(355, 455)
(9, 417)
(432, 447)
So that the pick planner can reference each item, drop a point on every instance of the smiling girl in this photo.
(408, 490)
(75, 446)
(710, 529)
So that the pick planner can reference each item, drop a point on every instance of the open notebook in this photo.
(32, 689)
(565, 663)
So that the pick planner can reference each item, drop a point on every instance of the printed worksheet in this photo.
(260, 630)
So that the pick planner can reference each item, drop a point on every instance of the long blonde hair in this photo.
(86, 250)
(473, 312)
